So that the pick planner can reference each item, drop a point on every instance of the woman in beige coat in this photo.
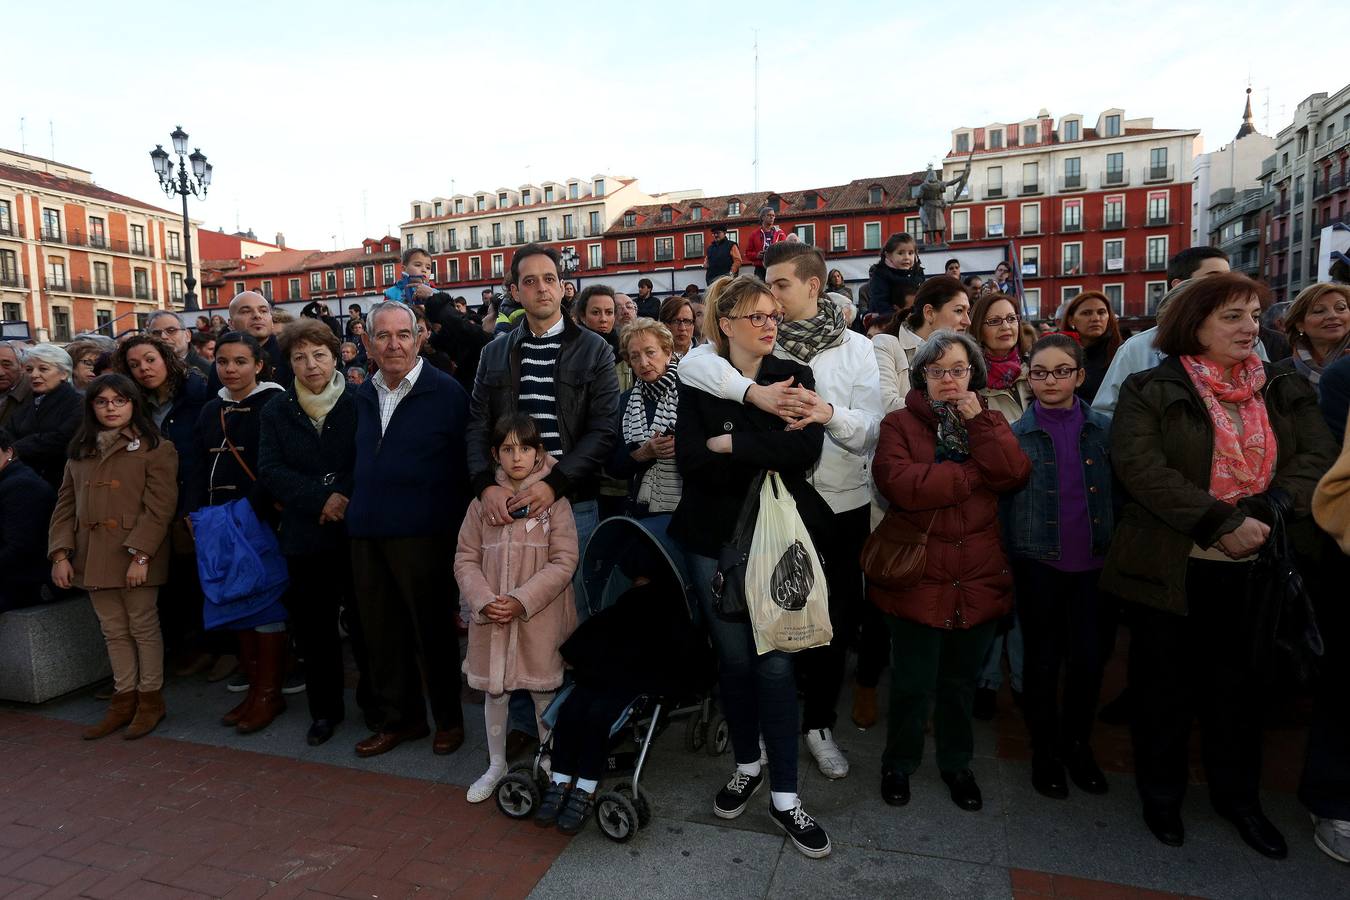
(109, 535)
(517, 582)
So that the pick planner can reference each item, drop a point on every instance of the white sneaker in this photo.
(829, 758)
(485, 786)
(1332, 837)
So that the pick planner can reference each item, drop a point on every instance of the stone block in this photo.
(50, 650)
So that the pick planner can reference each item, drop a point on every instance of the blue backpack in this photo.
(239, 562)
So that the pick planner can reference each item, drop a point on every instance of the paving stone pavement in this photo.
(198, 810)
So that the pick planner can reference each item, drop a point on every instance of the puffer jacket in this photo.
(1162, 446)
(587, 396)
(966, 579)
(533, 561)
(886, 286)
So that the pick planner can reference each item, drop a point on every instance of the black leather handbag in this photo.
(728, 581)
(1287, 634)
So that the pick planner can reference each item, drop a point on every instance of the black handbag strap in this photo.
(745, 521)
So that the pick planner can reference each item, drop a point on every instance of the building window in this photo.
(629, 219)
(693, 245)
(60, 323)
(1113, 126)
(9, 269)
(501, 201)
(599, 187)
(1073, 259)
(56, 273)
(628, 251)
(734, 208)
(996, 139)
(431, 241)
(1031, 178)
(138, 239)
(695, 213)
(140, 280)
(51, 224)
(665, 249)
(527, 197)
(330, 281)
(1154, 291)
(475, 268)
(993, 181)
(872, 236)
(1032, 300)
(1115, 297)
(1031, 218)
(993, 221)
(1031, 262)
(1073, 215)
(1157, 163)
(806, 234)
(369, 249)
(839, 238)
(102, 283)
(1157, 208)
(496, 234)
(960, 224)
(388, 273)
(573, 191)
(1068, 293)
(11, 312)
(175, 251)
(497, 265)
(480, 203)
(1073, 173)
(569, 229)
(367, 276)
(315, 282)
(874, 195)
(6, 217)
(1113, 256)
(98, 232)
(459, 207)
(912, 226)
(1071, 130)
(595, 227)
(266, 290)
(543, 229)
(238, 287)
(595, 256)
(293, 289)
(963, 142)
(417, 210)
(1113, 212)
(436, 208)
(1157, 253)
(1115, 168)
(1029, 135)
(348, 279)
(473, 237)
(665, 216)
(102, 318)
(451, 271)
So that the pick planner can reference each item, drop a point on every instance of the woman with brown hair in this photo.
(1090, 317)
(1206, 445)
(1318, 326)
(677, 314)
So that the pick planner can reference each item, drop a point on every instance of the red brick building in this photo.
(299, 276)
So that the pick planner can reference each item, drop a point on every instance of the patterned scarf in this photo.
(660, 486)
(1244, 462)
(953, 440)
(805, 338)
(1304, 364)
(1003, 370)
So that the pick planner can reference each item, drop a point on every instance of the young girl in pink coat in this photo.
(516, 580)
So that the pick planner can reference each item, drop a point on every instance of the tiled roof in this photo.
(835, 199)
(1089, 135)
(518, 208)
(293, 262)
(49, 182)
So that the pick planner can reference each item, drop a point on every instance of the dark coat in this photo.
(409, 482)
(222, 479)
(41, 430)
(26, 503)
(587, 402)
(180, 427)
(1095, 364)
(458, 338)
(1162, 445)
(301, 468)
(966, 579)
(886, 287)
(715, 484)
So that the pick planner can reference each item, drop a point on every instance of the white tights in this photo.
(496, 710)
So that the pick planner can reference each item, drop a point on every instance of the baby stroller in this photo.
(639, 646)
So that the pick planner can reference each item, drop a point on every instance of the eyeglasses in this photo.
(1061, 373)
(683, 323)
(114, 402)
(86, 363)
(935, 373)
(995, 321)
(165, 332)
(760, 320)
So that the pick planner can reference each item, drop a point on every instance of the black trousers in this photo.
(1200, 665)
(820, 670)
(1065, 625)
(320, 587)
(581, 732)
(405, 592)
(1325, 786)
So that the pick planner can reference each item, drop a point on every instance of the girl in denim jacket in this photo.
(1057, 529)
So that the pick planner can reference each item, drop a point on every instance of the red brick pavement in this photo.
(1028, 885)
(160, 818)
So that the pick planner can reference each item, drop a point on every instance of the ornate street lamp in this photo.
(570, 261)
(181, 183)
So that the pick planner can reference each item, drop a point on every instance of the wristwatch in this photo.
(138, 557)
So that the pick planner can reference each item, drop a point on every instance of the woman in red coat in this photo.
(942, 460)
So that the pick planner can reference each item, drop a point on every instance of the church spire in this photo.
(1247, 126)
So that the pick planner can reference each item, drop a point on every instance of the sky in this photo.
(326, 120)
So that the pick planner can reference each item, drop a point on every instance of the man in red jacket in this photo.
(762, 239)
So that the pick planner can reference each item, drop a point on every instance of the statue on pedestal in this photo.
(933, 203)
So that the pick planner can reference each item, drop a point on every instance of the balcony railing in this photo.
(13, 280)
(569, 234)
(1115, 223)
(1282, 209)
(475, 244)
(1335, 143)
(1114, 178)
(497, 241)
(60, 236)
(1154, 221)
(956, 236)
(545, 234)
(1278, 245)
(1113, 265)
(1072, 227)
(174, 255)
(994, 193)
(1155, 174)
(1155, 265)
(57, 283)
(1279, 281)
(593, 231)
(1071, 182)
(1071, 267)
(144, 292)
(993, 231)
(1030, 229)
(1031, 188)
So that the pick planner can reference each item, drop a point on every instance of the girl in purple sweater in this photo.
(1057, 530)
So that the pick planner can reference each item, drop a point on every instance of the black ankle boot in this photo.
(1084, 771)
(1047, 777)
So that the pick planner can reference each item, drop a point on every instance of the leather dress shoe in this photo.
(1085, 772)
(320, 730)
(894, 787)
(447, 740)
(965, 792)
(1258, 833)
(1166, 826)
(384, 741)
(1047, 777)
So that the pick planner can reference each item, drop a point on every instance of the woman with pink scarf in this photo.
(1206, 445)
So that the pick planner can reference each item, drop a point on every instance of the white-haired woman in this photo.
(41, 431)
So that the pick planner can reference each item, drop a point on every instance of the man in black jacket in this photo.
(250, 311)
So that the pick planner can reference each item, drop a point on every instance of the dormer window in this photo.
(481, 204)
(548, 195)
(774, 202)
(436, 208)
(417, 210)
(526, 197)
(573, 191)
(1112, 126)
(501, 201)
(459, 206)
(874, 195)
(695, 213)
(996, 139)
(369, 249)
(963, 142)
(386, 246)
(1029, 135)
(629, 219)
(1072, 130)
(666, 215)
(733, 207)
(810, 200)
(599, 187)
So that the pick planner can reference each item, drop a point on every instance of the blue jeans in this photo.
(759, 693)
(991, 675)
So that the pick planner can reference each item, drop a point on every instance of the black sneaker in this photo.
(731, 799)
(805, 831)
(575, 811)
(555, 795)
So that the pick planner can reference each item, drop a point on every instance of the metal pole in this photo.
(190, 297)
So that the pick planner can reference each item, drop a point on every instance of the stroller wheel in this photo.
(641, 800)
(695, 734)
(719, 735)
(617, 818)
(518, 795)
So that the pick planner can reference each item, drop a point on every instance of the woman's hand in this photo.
(967, 403)
(62, 572)
(1246, 539)
(720, 443)
(334, 510)
(136, 573)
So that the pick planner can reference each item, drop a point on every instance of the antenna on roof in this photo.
(51, 137)
(23, 139)
(756, 160)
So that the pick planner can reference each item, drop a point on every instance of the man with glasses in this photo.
(165, 325)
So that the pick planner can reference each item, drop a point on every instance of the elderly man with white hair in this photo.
(14, 390)
(251, 312)
(41, 430)
(165, 325)
(409, 497)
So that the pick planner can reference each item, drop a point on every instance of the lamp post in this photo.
(182, 184)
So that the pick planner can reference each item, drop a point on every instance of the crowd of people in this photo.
(987, 500)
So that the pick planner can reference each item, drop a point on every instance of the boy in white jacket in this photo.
(847, 401)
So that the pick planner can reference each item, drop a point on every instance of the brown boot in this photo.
(268, 701)
(864, 706)
(149, 713)
(248, 664)
(121, 710)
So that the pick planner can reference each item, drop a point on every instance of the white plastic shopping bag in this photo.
(785, 588)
